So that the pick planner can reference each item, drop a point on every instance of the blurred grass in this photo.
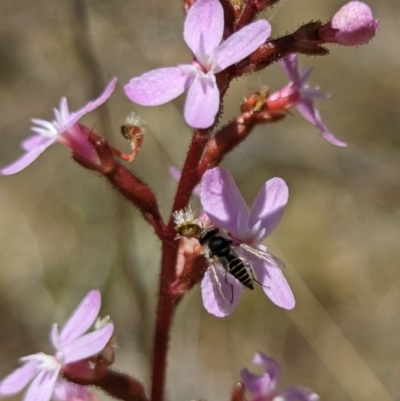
(64, 231)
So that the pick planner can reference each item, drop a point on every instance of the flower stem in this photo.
(167, 299)
(190, 178)
(165, 312)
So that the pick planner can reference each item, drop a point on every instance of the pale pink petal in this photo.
(82, 318)
(271, 367)
(77, 115)
(44, 127)
(202, 102)
(33, 141)
(18, 379)
(88, 344)
(221, 292)
(298, 393)
(55, 337)
(274, 283)
(64, 109)
(203, 28)
(240, 45)
(256, 384)
(310, 113)
(26, 159)
(67, 391)
(175, 173)
(289, 65)
(159, 86)
(269, 205)
(264, 384)
(42, 386)
(221, 200)
(303, 78)
(76, 140)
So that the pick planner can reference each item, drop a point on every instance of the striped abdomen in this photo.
(238, 269)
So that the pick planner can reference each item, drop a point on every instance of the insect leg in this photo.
(250, 270)
(230, 284)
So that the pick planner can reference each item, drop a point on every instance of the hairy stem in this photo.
(165, 312)
(167, 299)
(189, 178)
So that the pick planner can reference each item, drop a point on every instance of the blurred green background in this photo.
(64, 230)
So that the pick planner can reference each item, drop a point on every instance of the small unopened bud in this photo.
(352, 25)
(238, 392)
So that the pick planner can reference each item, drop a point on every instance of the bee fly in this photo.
(220, 248)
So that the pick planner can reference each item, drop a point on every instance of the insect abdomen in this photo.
(237, 268)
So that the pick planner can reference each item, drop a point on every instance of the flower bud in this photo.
(352, 25)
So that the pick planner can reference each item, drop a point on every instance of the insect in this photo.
(220, 248)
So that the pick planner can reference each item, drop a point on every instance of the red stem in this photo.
(165, 312)
(189, 178)
(167, 300)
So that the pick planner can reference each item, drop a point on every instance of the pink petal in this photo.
(222, 201)
(262, 385)
(310, 113)
(76, 140)
(221, 292)
(271, 367)
(41, 388)
(269, 205)
(274, 283)
(175, 173)
(77, 115)
(202, 102)
(18, 379)
(204, 26)
(298, 393)
(26, 159)
(289, 65)
(67, 391)
(33, 141)
(159, 86)
(240, 45)
(82, 318)
(55, 337)
(303, 78)
(256, 384)
(88, 344)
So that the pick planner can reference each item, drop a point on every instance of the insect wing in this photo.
(221, 292)
(272, 260)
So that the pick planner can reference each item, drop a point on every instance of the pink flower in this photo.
(64, 129)
(263, 386)
(203, 30)
(226, 208)
(71, 345)
(299, 94)
(67, 391)
(352, 25)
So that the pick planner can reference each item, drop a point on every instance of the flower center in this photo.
(199, 67)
